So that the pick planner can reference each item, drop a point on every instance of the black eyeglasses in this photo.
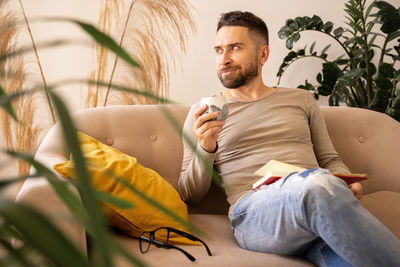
(149, 237)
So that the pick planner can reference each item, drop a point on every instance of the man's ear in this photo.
(264, 53)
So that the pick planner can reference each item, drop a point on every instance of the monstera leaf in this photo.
(357, 77)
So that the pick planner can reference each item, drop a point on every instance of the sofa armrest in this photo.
(38, 193)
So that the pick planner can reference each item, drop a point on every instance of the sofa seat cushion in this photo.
(385, 206)
(221, 243)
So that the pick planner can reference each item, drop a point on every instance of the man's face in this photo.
(236, 56)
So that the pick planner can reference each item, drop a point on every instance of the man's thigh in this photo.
(273, 219)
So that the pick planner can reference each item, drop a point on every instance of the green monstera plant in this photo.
(367, 75)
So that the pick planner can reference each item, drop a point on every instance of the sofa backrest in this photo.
(142, 131)
(368, 142)
(148, 133)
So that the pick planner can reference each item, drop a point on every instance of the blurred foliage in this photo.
(40, 241)
(29, 237)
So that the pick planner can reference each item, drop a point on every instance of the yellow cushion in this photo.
(103, 159)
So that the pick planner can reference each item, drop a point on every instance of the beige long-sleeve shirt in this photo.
(287, 125)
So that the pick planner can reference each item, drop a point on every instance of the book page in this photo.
(275, 166)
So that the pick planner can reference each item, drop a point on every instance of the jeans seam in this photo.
(241, 241)
(323, 255)
(336, 241)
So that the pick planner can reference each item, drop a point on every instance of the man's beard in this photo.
(242, 78)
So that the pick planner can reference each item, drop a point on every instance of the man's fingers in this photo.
(200, 111)
(212, 131)
(206, 128)
(203, 119)
(357, 190)
(210, 125)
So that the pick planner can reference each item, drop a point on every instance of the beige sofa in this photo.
(368, 142)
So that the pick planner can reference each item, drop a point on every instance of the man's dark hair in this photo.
(245, 19)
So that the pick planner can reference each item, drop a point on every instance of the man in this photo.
(311, 213)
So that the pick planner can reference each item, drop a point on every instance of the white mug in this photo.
(216, 104)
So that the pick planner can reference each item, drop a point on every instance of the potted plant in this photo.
(367, 75)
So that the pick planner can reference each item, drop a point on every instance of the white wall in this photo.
(58, 63)
(198, 77)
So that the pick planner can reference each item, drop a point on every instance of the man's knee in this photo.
(322, 185)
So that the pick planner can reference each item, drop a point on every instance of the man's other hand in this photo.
(357, 189)
(206, 129)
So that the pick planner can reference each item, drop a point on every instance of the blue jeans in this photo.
(315, 215)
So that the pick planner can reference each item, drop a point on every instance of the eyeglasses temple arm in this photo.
(187, 254)
(191, 237)
(168, 246)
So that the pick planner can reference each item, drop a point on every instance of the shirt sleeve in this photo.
(195, 178)
(324, 150)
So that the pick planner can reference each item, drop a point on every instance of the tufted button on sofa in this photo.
(367, 141)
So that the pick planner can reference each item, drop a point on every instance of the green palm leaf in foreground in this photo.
(7, 107)
(58, 249)
(42, 234)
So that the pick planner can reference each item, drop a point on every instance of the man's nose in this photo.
(226, 58)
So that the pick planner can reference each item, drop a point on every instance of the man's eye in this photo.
(235, 47)
(218, 51)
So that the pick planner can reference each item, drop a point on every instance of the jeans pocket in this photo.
(239, 236)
